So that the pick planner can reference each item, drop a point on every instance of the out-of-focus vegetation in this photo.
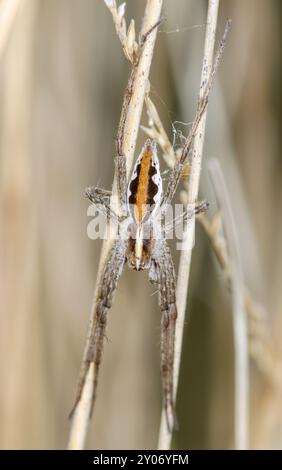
(62, 79)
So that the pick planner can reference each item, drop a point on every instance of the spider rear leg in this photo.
(162, 275)
(169, 315)
(94, 347)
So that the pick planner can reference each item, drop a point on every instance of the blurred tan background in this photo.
(62, 78)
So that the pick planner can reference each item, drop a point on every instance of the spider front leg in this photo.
(176, 173)
(121, 154)
(94, 348)
(162, 275)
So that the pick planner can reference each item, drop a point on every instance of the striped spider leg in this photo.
(117, 256)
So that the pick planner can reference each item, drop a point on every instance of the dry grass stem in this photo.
(185, 258)
(240, 332)
(8, 12)
(79, 428)
(126, 35)
(261, 347)
(131, 123)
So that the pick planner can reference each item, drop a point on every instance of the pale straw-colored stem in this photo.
(240, 330)
(152, 15)
(261, 347)
(8, 13)
(185, 259)
(81, 417)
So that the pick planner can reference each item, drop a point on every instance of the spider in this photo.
(143, 246)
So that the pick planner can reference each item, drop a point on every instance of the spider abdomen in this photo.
(145, 186)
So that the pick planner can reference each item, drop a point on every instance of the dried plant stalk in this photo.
(130, 122)
(185, 259)
(240, 333)
(80, 420)
(261, 347)
(8, 12)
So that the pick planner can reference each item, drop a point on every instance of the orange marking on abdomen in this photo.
(143, 183)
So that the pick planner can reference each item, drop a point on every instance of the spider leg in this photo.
(101, 198)
(162, 275)
(94, 347)
(186, 215)
(176, 173)
(120, 158)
